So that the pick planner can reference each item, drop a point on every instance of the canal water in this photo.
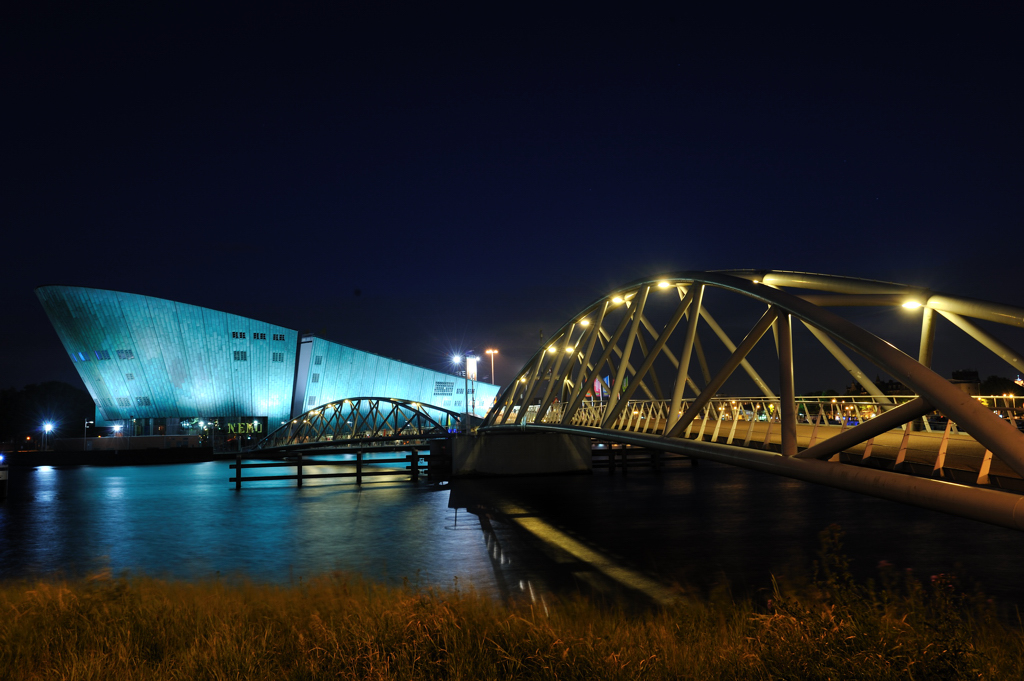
(702, 527)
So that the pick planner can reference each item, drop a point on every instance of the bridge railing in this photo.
(651, 416)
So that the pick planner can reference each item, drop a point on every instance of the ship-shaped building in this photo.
(161, 367)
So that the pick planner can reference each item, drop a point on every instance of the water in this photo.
(700, 527)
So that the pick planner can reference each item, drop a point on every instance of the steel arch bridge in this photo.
(626, 369)
(363, 419)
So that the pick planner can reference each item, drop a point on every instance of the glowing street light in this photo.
(47, 429)
(492, 353)
(465, 398)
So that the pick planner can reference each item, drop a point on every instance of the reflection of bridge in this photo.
(620, 370)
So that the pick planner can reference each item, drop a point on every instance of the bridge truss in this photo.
(636, 366)
(364, 419)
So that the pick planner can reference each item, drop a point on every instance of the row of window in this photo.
(443, 387)
(243, 356)
(240, 355)
(127, 401)
(257, 335)
(101, 355)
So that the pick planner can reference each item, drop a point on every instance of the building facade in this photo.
(160, 367)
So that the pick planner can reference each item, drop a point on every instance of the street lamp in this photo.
(85, 432)
(492, 353)
(456, 360)
(47, 429)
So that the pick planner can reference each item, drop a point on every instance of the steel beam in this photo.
(848, 364)
(697, 290)
(634, 327)
(893, 418)
(751, 339)
(787, 417)
(731, 347)
(1004, 351)
(613, 411)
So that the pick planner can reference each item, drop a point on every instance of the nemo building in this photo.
(159, 367)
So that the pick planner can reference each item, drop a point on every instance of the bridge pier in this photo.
(520, 453)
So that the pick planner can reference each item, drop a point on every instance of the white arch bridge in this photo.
(649, 365)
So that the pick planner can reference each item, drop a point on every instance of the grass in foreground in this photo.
(343, 627)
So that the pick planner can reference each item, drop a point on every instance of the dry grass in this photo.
(343, 627)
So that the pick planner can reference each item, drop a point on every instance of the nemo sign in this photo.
(243, 428)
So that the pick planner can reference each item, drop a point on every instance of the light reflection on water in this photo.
(187, 522)
(695, 526)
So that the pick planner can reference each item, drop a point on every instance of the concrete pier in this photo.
(520, 454)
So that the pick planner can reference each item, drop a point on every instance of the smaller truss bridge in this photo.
(359, 422)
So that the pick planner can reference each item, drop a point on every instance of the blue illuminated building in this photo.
(166, 367)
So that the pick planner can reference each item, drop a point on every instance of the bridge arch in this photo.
(613, 348)
(364, 418)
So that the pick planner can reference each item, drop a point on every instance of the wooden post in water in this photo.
(414, 465)
(298, 468)
(238, 470)
(359, 468)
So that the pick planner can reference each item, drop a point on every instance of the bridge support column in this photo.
(520, 454)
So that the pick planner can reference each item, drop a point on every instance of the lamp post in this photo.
(456, 360)
(85, 432)
(492, 353)
(47, 429)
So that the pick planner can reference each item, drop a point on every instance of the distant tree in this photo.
(22, 412)
(998, 385)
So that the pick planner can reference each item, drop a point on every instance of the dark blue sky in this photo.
(479, 175)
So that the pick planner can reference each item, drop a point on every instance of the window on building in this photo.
(260, 336)
(238, 334)
(241, 356)
(312, 401)
(125, 354)
(316, 378)
(278, 357)
(83, 357)
(279, 336)
(124, 402)
(318, 360)
(142, 401)
(443, 387)
(129, 377)
(102, 354)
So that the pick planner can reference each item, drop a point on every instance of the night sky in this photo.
(416, 181)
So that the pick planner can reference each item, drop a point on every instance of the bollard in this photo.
(298, 467)
(238, 470)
